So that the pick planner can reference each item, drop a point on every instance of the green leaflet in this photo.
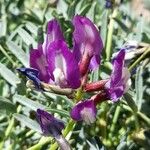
(8, 75)
(18, 52)
(28, 122)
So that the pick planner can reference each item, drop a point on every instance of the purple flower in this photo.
(84, 111)
(55, 62)
(87, 42)
(118, 84)
(50, 126)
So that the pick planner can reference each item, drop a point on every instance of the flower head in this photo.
(87, 42)
(54, 61)
(84, 111)
(50, 126)
(118, 84)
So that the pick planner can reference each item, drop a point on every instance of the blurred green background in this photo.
(20, 21)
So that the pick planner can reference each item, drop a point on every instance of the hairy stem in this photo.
(115, 119)
(110, 34)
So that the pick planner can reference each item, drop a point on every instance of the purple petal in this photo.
(53, 33)
(49, 125)
(63, 66)
(39, 62)
(87, 40)
(95, 61)
(118, 83)
(118, 64)
(115, 93)
(84, 111)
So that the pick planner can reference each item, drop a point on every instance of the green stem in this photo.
(110, 34)
(11, 124)
(5, 53)
(147, 50)
(115, 119)
(136, 121)
(144, 117)
(79, 94)
(140, 114)
(9, 128)
(103, 121)
(43, 141)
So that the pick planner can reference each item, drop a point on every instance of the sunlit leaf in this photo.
(18, 52)
(8, 75)
(28, 122)
(28, 103)
(6, 106)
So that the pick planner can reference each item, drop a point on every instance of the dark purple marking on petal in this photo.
(50, 126)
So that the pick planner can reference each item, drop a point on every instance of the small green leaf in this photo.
(27, 38)
(8, 75)
(3, 25)
(85, 9)
(122, 146)
(32, 28)
(60, 112)
(18, 52)
(14, 33)
(91, 13)
(104, 25)
(129, 99)
(71, 9)
(28, 122)
(28, 103)
(6, 106)
(62, 8)
(122, 25)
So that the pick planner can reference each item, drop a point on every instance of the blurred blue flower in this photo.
(32, 74)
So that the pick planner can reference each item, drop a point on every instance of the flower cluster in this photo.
(53, 65)
(111, 89)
